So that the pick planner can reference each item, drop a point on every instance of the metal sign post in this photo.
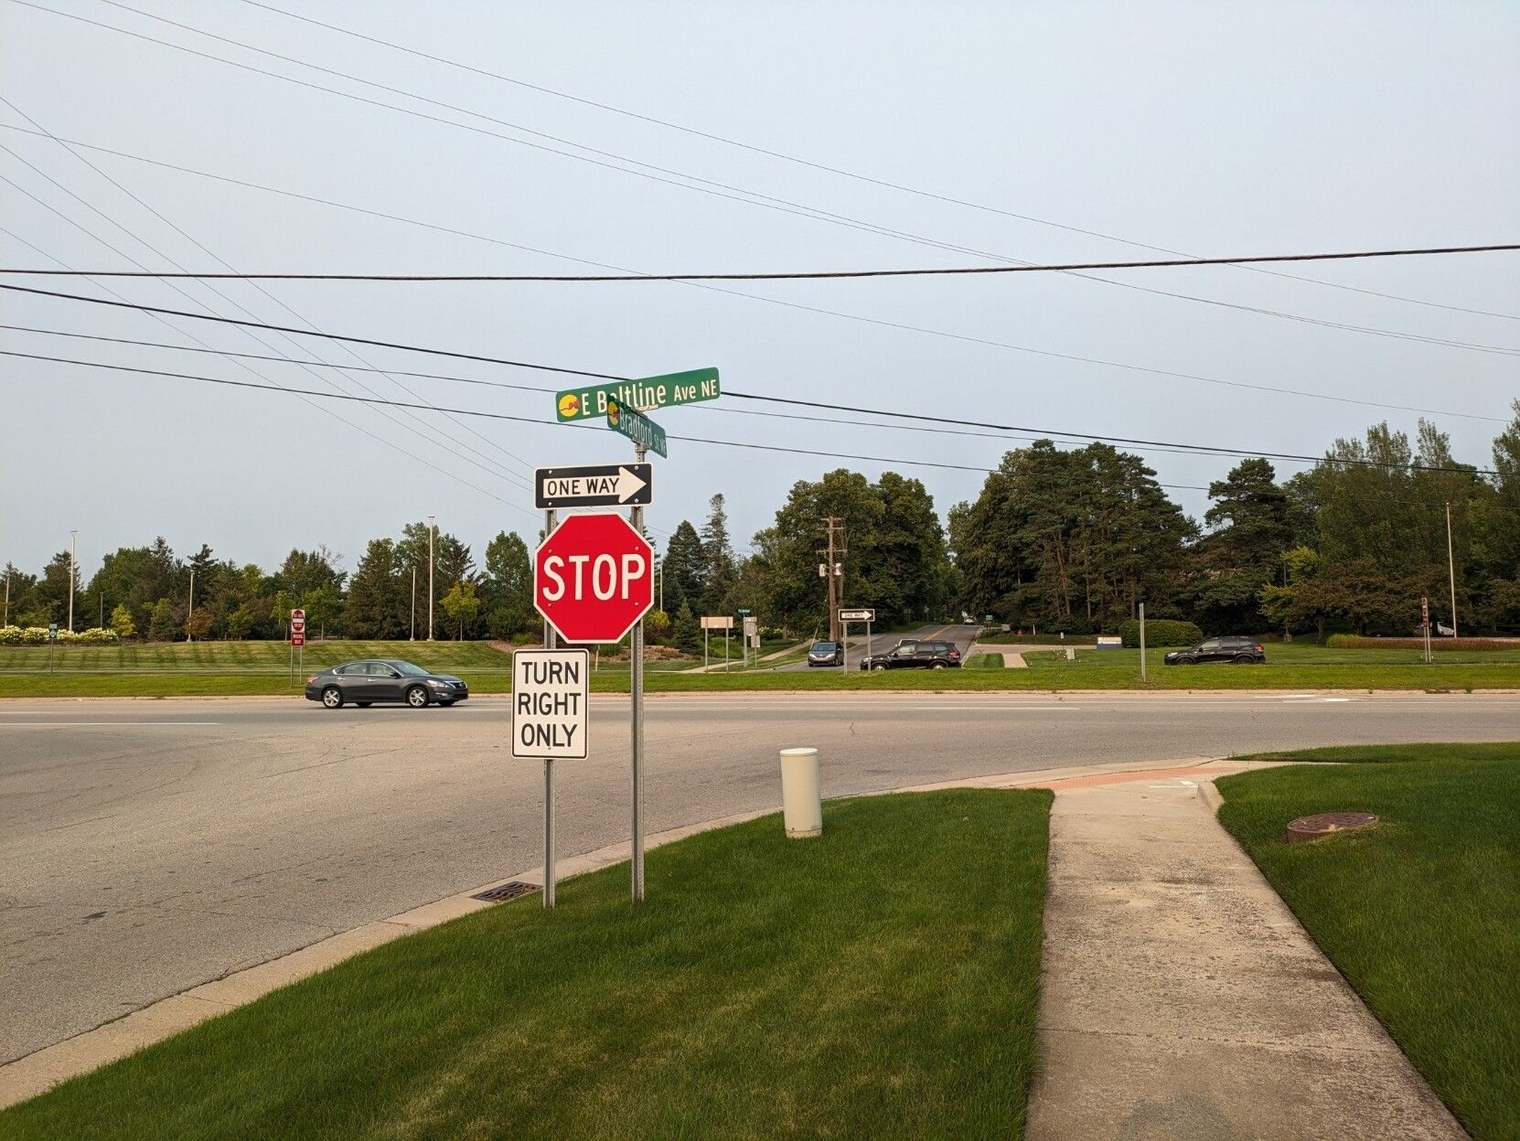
(1425, 626)
(636, 686)
(551, 690)
(1142, 641)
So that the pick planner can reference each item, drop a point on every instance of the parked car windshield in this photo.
(824, 647)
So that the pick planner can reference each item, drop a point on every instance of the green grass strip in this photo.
(880, 981)
(1422, 911)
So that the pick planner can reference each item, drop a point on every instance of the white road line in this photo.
(101, 724)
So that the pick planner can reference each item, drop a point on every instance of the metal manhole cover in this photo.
(509, 890)
(1326, 824)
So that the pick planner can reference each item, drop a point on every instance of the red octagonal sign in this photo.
(593, 578)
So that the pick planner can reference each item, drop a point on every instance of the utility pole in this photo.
(432, 531)
(7, 621)
(1451, 569)
(74, 546)
(412, 637)
(833, 570)
(189, 614)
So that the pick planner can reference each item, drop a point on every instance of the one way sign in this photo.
(606, 485)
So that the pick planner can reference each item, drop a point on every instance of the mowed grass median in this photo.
(1421, 912)
(879, 981)
(262, 668)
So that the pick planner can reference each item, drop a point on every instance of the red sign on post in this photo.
(593, 578)
(298, 627)
(298, 637)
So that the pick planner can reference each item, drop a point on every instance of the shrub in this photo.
(1161, 632)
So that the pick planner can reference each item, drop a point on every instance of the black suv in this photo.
(1218, 650)
(915, 655)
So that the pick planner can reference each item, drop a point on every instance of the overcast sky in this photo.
(1202, 128)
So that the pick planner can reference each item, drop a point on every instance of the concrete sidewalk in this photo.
(1183, 1000)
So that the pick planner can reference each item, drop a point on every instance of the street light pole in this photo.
(190, 614)
(1451, 569)
(432, 531)
(413, 636)
(74, 546)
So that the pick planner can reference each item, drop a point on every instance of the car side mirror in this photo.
(394, 674)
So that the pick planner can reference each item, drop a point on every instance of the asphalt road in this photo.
(148, 846)
(858, 646)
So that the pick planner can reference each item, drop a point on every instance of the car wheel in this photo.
(878, 666)
(363, 704)
(332, 697)
(417, 697)
(937, 666)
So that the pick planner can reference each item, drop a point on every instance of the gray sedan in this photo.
(367, 682)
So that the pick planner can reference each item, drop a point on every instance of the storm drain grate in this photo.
(509, 890)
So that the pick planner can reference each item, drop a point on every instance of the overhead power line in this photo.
(653, 172)
(491, 465)
(900, 421)
(608, 376)
(828, 169)
(1197, 449)
(783, 275)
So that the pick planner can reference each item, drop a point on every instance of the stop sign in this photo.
(593, 578)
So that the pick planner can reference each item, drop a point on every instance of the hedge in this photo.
(1161, 632)
(38, 636)
(1357, 642)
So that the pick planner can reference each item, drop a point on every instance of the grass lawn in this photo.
(880, 981)
(262, 668)
(984, 662)
(1421, 912)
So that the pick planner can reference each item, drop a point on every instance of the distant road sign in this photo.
(604, 485)
(298, 637)
(862, 615)
(593, 578)
(717, 623)
(550, 693)
(298, 615)
(645, 394)
(636, 426)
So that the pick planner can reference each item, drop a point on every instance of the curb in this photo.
(33, 1074)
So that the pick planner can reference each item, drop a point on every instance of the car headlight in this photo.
(433, 681)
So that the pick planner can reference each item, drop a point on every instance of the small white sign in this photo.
(864, 614)
(550, 693)
(711, 622)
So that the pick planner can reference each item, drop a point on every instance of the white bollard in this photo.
(801, 801)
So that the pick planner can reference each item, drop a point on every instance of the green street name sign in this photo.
(643, 395)
(636, 426)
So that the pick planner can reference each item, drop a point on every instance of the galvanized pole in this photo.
(636, 651)
(74, 544)
(548, 832)
(432, 533)
(550, 520)
(412, 637)
(1142, 641)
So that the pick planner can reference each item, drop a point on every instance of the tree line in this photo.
(1058, 540)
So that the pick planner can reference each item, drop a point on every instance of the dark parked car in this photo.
(826, 654)
(367, 682)
(915, 655)
(1218, 650)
